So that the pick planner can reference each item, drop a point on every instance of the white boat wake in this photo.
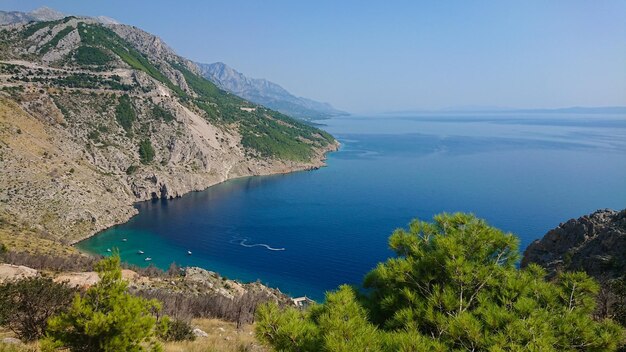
(242, 242)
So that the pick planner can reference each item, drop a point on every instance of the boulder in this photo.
(11, 341)
(199, 333)
(9, 272)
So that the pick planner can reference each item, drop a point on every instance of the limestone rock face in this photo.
(594, 243)
(10, 272)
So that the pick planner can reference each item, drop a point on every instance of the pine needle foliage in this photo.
(453, 286)
(106, 318)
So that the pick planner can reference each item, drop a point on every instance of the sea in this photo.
(308, 232)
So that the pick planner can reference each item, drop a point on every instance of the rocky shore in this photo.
(594, 243)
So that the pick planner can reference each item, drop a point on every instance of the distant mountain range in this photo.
(42, 14)
(266, 93)
(258, 91)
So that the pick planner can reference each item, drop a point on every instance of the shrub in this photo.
(160, 113)
(174, 270)
(89, 55)
(454, 285)
(107, 317)
(178, 330)
(71, 262)
(146, 151)
(181, 305)
(124, 113)
(26, 305)
(132, 169)
(618, 289)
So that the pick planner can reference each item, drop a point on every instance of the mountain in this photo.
(40, 14)
(96, 116)
(43, 14)
(266, 93)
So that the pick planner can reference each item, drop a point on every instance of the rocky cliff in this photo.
(94, 117)
(594, 243)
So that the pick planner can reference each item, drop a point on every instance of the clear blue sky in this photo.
(393, 55)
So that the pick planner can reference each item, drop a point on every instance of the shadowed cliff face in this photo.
(594, 243)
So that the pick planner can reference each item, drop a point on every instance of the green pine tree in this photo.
(454, 286)
(107, 317)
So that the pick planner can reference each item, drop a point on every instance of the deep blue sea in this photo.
(308, 232)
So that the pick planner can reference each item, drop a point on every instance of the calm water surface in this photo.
(308, 232)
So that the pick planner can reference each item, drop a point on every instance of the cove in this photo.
(308, 232)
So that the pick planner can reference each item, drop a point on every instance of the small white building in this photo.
(247, 109)
(302, 302)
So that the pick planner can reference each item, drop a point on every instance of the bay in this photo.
(308, 232)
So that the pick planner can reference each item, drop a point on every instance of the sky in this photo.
(375, 56)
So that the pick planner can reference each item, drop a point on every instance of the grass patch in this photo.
(20, 238)
(223, 337)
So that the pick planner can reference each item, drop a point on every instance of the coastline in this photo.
(317, 162)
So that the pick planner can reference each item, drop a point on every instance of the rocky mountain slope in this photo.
(594, 243)
(266, 93)
(94, 117)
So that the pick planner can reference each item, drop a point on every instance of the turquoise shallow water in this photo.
(308, 232)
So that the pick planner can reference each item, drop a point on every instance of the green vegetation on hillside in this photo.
(159, 113)
(97, 35)
(36, 26)
(265, 133)
(454, 286)
(146, 151)
(55, 40)
(89, 55)
(125, 114)
(269, 133)
(84, 80)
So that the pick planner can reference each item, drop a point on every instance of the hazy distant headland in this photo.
(501, 110)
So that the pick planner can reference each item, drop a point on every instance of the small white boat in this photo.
(108, 249)
(140, 252)
(188, 252)
(148, 259)
(124, 240)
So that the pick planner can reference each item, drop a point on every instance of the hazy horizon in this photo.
(374, 58)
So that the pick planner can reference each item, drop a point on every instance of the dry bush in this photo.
(185, 306)
(70, 262)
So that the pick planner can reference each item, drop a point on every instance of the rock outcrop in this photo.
(10, 272)
(594, 243)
